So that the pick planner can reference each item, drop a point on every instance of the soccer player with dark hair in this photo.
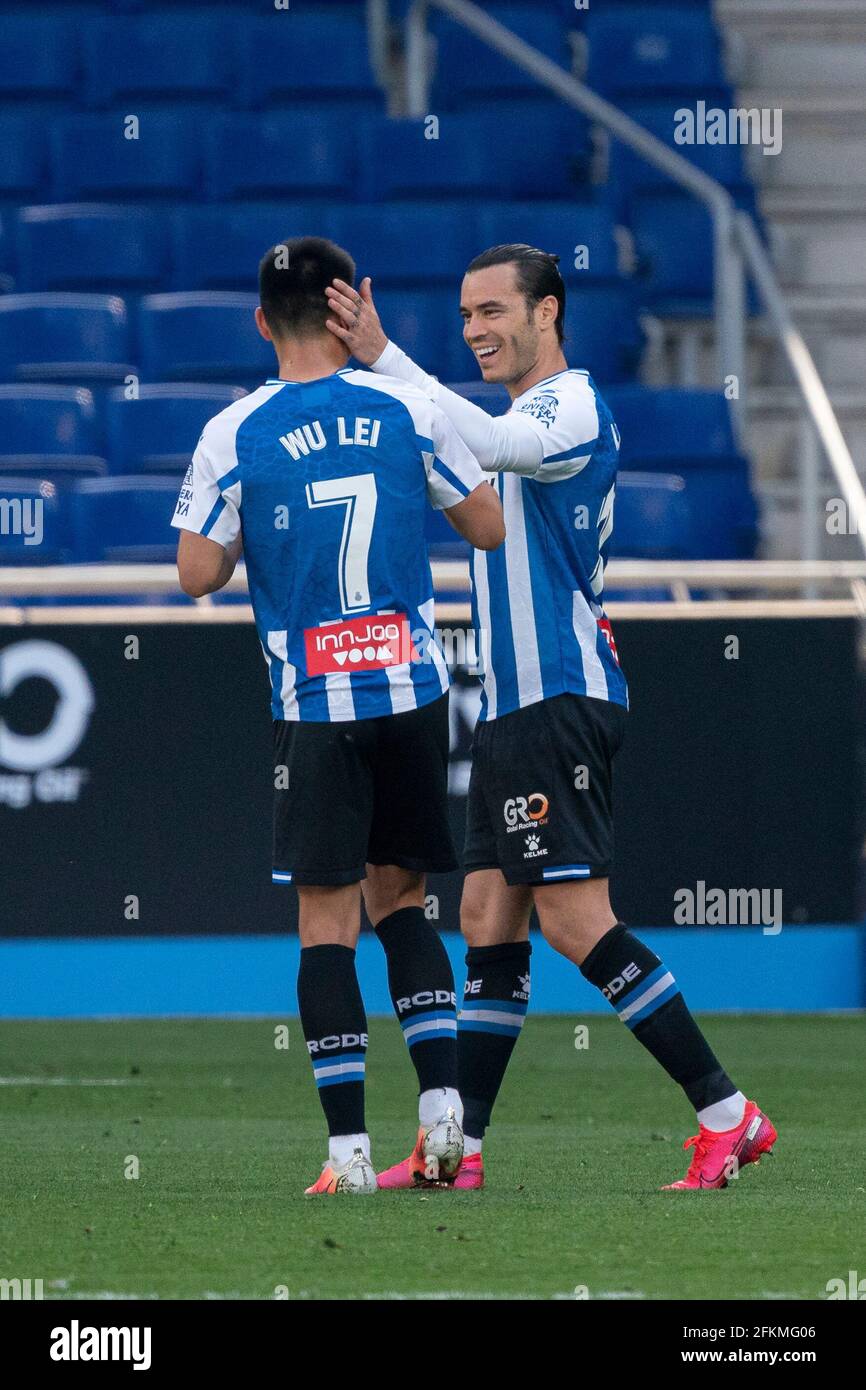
(539, 818)
(324, 475)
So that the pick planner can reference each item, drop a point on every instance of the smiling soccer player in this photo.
(539, 818)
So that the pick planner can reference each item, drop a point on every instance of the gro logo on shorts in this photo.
(520, 811)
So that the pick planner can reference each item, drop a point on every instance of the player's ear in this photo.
(547, 310)
(261, 325)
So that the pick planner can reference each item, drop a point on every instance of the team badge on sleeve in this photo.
(543, 406)
(185, 496)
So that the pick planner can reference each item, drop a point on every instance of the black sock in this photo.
(647, 999)
(421, 982)
(335, 1029)
(494, 1006)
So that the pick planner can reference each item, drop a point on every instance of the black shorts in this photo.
(362, 791)
(540, 795)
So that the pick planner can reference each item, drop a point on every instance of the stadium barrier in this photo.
(135, 794)
(684, 588)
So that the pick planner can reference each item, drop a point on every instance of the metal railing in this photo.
(697, 589)
(736, 243)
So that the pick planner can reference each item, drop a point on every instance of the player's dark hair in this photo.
(537, 275)
(293, 277)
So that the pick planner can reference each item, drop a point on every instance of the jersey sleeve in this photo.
(564, 417)
(210, 498)
(453, 470)
(501, 444)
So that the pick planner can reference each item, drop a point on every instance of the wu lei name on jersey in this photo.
(362, 432)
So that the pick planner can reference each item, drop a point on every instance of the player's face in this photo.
(498, 325)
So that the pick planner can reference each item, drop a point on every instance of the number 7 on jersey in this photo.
(358, 495)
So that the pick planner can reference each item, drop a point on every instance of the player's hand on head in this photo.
(355, 321)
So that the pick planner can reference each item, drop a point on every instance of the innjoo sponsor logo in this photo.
(359, 644)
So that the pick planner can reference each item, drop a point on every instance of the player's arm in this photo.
(203, 565)
(507, 444)
(208, 516)
(457, 486)
(478, 518)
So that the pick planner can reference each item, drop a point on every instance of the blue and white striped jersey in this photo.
(538, 600)
(329, 481)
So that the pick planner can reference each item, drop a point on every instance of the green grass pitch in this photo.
(227, 1131)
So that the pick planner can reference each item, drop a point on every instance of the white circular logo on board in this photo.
(57, 742)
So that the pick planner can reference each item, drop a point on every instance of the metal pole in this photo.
(810, 532)
(730, 307)
(417, 58)
(377, 37)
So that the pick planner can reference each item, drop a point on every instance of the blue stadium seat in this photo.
(120, 519)
(45, 430)
(219, 247)
(576, 18)
(295, 152)
(82, 338)
(7, 279)
(724, 522)
(409, 242)
(136, 6)
(652, 519)
(675, 270)
(491, 152)
(569, 14)
(557, 227)
(468, 71)
(674, 242)
(602, 333)
(39, 531)
(290, 6)
(628, 174)
(152, 56)
(92, 158)
(157, 431)
(486, 394)
(202, 336)
(690, 432)
(84, 246)
(24, 166)
(634, 49)
(670, 427)
(38, 56)
(301, 56)
(427, 325)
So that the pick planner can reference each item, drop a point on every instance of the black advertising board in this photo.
(135, 774)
